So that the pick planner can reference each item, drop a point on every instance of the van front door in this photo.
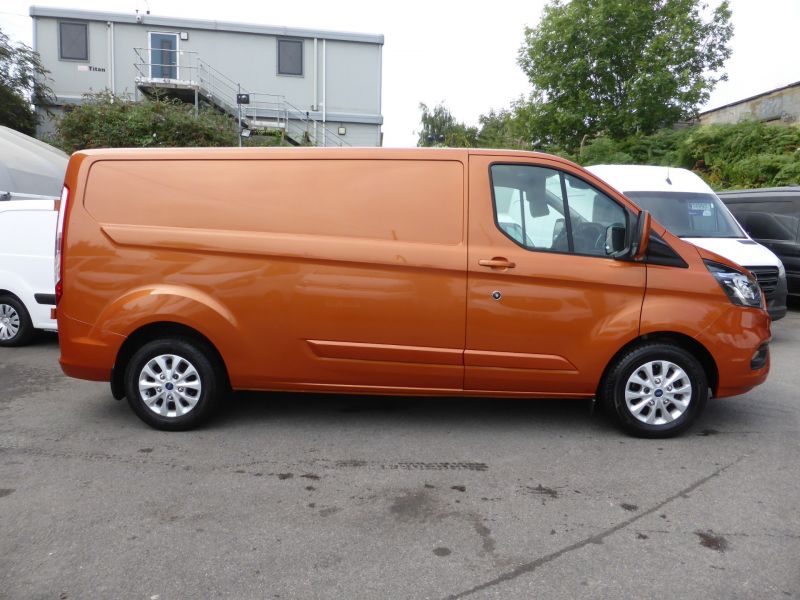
(547, 308)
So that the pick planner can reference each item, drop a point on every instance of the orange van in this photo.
(185, 273)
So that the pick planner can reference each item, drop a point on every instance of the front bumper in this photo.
(776, 302)
(738, 341)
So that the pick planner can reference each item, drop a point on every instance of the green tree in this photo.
(621, 68)
(504, 129)
(440, 128)
(107, 121)
(22, 83)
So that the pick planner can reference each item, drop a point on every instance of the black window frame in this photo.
(61, 56)
(280, 41)
(567, 215)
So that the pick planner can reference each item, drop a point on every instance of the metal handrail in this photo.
(144, 65)
(265, 109)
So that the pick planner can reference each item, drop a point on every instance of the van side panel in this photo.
(303, 272)
(362, 199)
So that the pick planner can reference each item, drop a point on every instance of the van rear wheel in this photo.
(16, 328)
(656, 390)
(173, 384)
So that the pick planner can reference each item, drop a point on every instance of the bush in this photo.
(761, 170)
(107, 121)
(745, 155)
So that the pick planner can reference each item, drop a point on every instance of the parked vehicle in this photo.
(771, 216)
(183, 273)
(31, 175)
(689, 208)
(30, 166)
(27, 288)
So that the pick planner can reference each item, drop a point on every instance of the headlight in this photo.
(741, 289)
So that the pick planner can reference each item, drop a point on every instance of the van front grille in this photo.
(767, 278)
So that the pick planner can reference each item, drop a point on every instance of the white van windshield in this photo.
(688, 214)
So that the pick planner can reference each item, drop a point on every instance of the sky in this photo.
(461, 53)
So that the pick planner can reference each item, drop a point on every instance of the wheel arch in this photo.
(153, 331)
(5, 292)
(681, 340)
(17, 286)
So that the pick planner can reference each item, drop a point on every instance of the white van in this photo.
(27, 249)
(683, 203)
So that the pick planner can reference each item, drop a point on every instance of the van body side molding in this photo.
(517, 360)
(386, 352)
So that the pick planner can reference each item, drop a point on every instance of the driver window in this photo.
(531, 209)
(592, 214)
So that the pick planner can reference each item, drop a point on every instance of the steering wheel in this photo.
(560, 242)
(589, 238)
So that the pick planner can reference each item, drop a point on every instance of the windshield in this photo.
(688, 214)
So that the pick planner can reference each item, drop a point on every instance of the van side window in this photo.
(770, 224)
(544, 209)
(591, 214)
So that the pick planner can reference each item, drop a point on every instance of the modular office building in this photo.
(315, 87)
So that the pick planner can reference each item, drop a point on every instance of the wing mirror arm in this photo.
(641, 236)
(615, 241)
(618, 247)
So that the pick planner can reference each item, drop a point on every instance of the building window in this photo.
(73, 41)
(290, 57)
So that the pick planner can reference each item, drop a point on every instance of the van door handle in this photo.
(497, 263)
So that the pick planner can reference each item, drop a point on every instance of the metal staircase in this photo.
(185, 76)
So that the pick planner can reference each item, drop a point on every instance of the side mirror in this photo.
(615, 241)
(641, 238)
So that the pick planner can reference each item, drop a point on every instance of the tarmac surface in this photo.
(309, 496)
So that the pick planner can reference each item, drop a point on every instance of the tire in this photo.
(656, 390)
(16, 328)
(171, 362)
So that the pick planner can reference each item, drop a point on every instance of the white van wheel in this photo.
(173, 383)
(16, 328)
(656, 390)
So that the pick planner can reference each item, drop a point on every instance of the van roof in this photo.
(790, 191)
(646, 178)
(309, 152)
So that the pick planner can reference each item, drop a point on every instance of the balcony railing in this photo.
(181, 70)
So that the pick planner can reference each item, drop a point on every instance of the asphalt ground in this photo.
(309, 496)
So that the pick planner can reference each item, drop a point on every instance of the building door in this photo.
(164, 55)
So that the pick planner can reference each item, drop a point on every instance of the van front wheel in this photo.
(173, 384)
(656, 390)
